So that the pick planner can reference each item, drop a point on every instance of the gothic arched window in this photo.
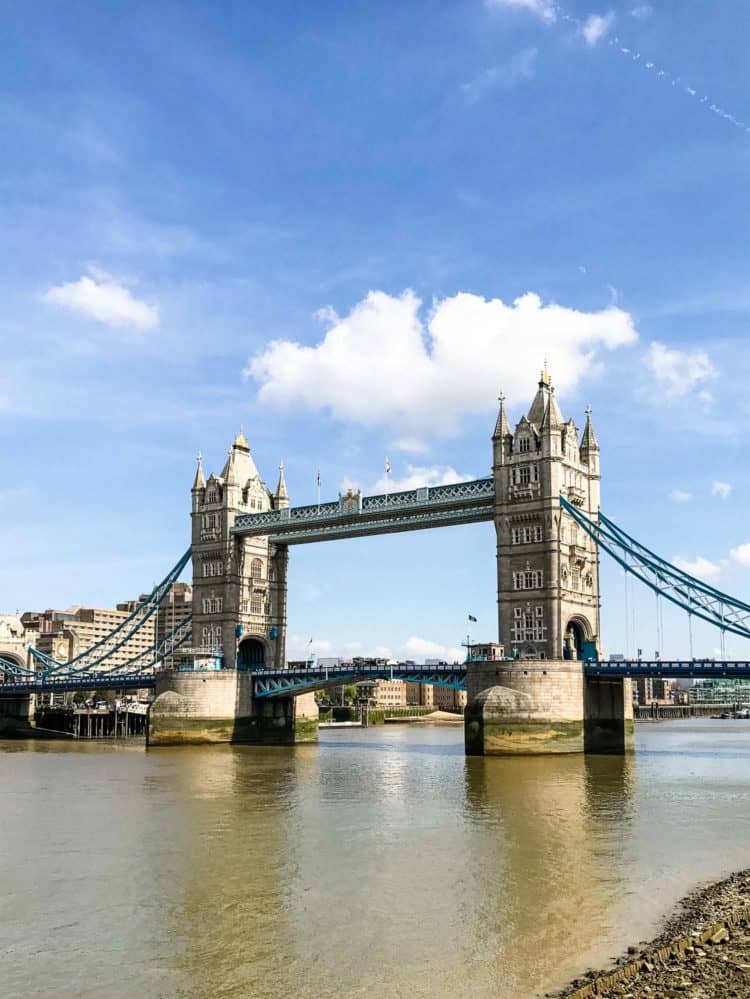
(256, 603)
(256, 569)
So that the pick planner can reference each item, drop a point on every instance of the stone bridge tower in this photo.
(239, 622)
(548, 567)
(239, 584)
(540, 699)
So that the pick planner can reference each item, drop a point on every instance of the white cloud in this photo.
(741, 554)
(423, 648)
(721, 489)
(411, 445)
(700, 567)
(101, 297)
(545, 9)
(596, 26)
(384, 364)
(679, 371)
(416, 476)
(299, 647)
(642, 10)
(680, 496)
(520, 68)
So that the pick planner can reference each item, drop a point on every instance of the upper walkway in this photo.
(356, 516)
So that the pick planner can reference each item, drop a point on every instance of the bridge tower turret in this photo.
(239, 583)
(548, 573)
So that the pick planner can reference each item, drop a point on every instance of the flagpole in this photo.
(387, 480)
(318, 483)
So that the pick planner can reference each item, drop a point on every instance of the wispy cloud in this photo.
(505, 77)
(544, 9)
(680, 496)
(421, 475)
(411, 445)
(700, 567)
(678, 372)
(642, 11)
(721, 489)
(99, 296)
(741, 554)
(596, 26)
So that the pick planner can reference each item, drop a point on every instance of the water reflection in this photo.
(380, 863)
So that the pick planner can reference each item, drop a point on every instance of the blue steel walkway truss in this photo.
(356, 516)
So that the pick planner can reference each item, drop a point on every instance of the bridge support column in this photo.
(17, 715)
(540, 706)
(193, 707)
(524, 707)
(608, 715)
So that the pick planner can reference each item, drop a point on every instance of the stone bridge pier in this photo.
(193, 706)
(522, 707)
(17, 714)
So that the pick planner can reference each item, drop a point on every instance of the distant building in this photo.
(447, 699)
(65, 634)
(652, 690)
(720, 692)
(384, 693)
(174, 609)
(420, 694)
(488, 651)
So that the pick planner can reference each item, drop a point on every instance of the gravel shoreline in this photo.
(702, 953)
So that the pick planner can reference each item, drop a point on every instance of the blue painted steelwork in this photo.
(360, 516)
(119, 636)
(283, 683)
(101, 681)
(685, 591)
(673, 668)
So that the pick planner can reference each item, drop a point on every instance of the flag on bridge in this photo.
(472, 618)
(317, 479)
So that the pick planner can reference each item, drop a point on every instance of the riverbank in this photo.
(702, 953)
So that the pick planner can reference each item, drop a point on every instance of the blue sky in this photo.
(314, 221)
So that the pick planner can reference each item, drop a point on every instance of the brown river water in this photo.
(379, 863)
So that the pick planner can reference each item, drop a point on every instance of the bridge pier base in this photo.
(608, 715)
(17, 714)
(193, 707)
(526, 707)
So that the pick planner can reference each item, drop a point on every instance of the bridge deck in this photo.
(279, 683)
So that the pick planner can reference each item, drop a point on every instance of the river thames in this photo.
(379, 863)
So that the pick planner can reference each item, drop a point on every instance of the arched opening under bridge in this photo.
(251, 654)
(14, 659)
(577, 640)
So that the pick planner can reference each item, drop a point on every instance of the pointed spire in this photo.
(501, 426)
(589, 441)
(229, 472)
(545, 401)
(200, 481)
(240, 441)
(281, 493)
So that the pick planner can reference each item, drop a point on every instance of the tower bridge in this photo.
(227, 678)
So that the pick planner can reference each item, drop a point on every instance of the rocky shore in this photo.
(703, 952)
